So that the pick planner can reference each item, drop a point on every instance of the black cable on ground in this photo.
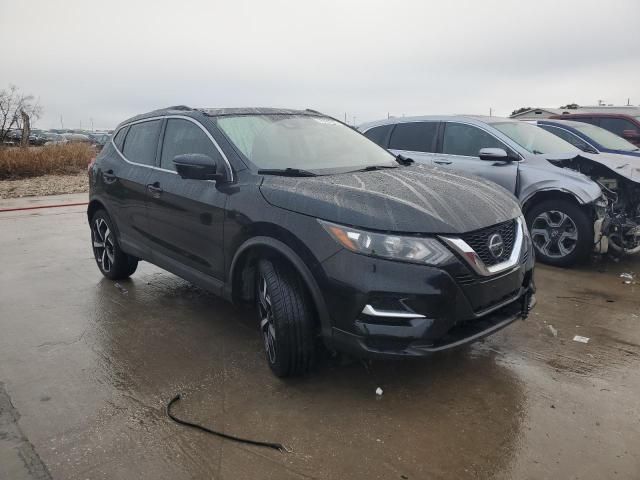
(275, 446)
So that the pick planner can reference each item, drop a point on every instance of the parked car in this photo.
(330, 236)
(589, 138)
(76, 137)
(98, 138)
(625, 126)
(574, 202)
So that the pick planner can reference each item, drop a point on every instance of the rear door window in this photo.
(183, 136)
(467, 140)
(380, 134)
(141, 143)
(414, 137)
(617, 125)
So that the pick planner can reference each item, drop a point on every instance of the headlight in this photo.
(428, 251)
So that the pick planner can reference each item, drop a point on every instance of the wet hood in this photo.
(418, 199)
(627, 166)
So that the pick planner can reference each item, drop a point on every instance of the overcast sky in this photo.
(108, 60)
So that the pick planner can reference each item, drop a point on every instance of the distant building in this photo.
(535, 113)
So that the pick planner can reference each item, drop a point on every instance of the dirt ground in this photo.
(44, 185)
(87, 366)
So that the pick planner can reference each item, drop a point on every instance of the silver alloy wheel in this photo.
(266, 320)
(554, 234)
(103, 244)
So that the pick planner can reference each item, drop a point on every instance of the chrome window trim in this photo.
(372, 312)
(162, 117)
(476, 263)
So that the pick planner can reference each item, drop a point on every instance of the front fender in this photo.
(298, 264)
(579, 186)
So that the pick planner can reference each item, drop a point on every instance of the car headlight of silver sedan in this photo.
(422, 250)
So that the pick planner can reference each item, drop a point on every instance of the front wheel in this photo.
(285, 317)
(561, 231)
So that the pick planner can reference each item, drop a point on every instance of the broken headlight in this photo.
(426, 251)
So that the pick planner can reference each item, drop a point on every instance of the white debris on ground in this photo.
(581, 339)
(554, 331)
(379, 392)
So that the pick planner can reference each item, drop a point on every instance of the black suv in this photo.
(335, 240)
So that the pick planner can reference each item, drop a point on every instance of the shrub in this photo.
(61, 159)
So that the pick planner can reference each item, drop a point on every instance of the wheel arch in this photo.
(97, 204)
(242, 271)
(544, 195)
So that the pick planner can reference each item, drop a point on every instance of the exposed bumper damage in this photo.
(617, 212)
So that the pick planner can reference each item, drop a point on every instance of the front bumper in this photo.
(442, 308)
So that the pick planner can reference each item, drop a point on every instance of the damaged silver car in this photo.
(574, 202)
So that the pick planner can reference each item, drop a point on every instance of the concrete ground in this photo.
(87, 367)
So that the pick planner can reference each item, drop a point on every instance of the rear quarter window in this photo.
(380, 134)
(119, 138)
(141, 142)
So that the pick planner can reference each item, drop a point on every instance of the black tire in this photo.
(286, 318)
(559, 248)
(112, 261)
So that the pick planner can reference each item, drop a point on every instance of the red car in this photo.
(625, 126)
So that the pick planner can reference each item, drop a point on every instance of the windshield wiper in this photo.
(371, 168)
(287, 172)
(402, 160)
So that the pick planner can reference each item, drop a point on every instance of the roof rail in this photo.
(178, 107)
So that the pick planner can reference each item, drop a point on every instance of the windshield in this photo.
(534, 139)
(278, 141)
(605, 137)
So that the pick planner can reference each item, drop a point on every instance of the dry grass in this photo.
(63, 159)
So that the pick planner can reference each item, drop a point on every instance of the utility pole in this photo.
(91, 119)
(61, 123)
(628, 101)
(345, 117)
(490, 112)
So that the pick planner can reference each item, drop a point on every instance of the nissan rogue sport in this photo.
(333, 239)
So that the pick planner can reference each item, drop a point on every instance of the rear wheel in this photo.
(285, 316)
(561, 231)
(112, 261)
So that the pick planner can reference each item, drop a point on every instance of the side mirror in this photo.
(197, 166)
(632, 134)
(494, 154)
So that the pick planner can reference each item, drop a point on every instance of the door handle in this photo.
(109, 176)
(155, 189)
(443, 162)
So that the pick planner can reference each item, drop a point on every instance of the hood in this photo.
(415, 199)
(627, 166)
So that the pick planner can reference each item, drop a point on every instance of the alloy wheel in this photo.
(554, 234)
(267, 326)
(103, 244)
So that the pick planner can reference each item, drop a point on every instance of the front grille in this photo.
(479, 241)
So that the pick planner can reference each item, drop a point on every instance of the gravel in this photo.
(44, 185)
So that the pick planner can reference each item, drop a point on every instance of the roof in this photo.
(216, 112)
(624, 110)
(436, 118)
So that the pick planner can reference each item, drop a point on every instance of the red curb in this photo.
(43, 206)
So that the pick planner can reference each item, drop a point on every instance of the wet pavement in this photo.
(87, 366)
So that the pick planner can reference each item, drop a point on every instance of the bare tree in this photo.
(13, 103)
